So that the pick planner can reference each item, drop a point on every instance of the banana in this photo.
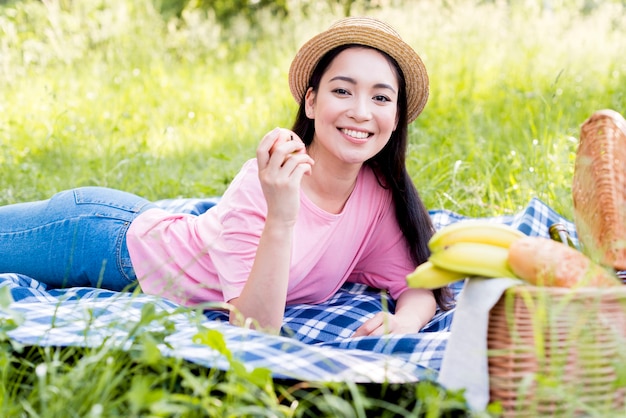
(428, 276)
(474, 231)
(474, 259)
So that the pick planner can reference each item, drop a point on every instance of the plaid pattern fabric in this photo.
(314, 344)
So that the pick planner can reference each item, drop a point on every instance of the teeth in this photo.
(355, 134)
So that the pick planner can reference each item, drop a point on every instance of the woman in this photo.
(327, 202)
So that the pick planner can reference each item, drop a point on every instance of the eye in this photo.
(381, 98)
(341, 92)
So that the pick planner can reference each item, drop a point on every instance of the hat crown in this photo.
(365, 22)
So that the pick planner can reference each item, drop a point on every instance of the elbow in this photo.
(240, 318)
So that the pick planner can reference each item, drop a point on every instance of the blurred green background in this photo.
(168, 98)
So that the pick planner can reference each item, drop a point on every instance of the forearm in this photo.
(417, 306)
(264, 295)
(282, 163)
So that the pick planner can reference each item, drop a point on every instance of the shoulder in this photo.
(372, 186)
(245, 189)
(250, 167)
(248, 176)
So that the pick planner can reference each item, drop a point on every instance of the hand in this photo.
(414, 308)
(283, 161)
(386, 323)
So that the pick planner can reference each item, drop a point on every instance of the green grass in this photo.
(108, 93)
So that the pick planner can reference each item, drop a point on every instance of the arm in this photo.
(414, 308)
(281, 169)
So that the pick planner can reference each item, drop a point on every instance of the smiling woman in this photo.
(325, 202)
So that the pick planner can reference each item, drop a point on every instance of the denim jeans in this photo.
(76, 238)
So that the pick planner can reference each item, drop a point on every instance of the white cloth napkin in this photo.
(464, 364)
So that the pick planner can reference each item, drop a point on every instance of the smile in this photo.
(355, 134)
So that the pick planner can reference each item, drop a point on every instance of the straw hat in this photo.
(369, 32)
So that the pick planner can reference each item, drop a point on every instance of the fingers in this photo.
(282, 151)
(282, 162)
(376, 326)
(263, 149)
(279, 141)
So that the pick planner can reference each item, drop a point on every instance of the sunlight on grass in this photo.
(508, 93)
(161, 109)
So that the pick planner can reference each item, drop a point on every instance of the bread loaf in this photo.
(599, 188)
(545, 262)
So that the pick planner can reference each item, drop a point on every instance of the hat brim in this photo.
(413, 69)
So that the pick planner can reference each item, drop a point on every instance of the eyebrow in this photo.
(353, 81)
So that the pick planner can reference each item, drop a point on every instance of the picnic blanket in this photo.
(315, 343)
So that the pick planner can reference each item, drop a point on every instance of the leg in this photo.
(76, 238)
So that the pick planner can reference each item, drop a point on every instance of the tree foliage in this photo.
(227, 10)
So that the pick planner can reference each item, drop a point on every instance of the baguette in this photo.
(545, 262)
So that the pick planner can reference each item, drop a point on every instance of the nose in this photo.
(360, 109)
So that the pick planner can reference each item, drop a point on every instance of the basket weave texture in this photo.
(599, 188)
(548, 346)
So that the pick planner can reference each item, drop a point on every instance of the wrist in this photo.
(279, 225)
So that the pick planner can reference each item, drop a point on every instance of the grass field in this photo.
(109, 93)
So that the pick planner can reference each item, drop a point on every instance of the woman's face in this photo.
(355, 107)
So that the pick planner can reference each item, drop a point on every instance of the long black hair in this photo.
(390, 167)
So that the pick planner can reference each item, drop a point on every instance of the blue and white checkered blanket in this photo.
(315, 343)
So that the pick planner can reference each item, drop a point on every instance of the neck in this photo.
(330, 188)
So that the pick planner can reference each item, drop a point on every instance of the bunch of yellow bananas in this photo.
(465, 249)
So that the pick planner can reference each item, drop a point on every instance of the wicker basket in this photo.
(547, 346)
(599, 188)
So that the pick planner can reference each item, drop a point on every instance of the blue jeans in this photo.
(76, 238)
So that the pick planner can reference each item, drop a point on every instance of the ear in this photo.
(309, 103)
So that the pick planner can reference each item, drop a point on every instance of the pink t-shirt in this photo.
(207, 258)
